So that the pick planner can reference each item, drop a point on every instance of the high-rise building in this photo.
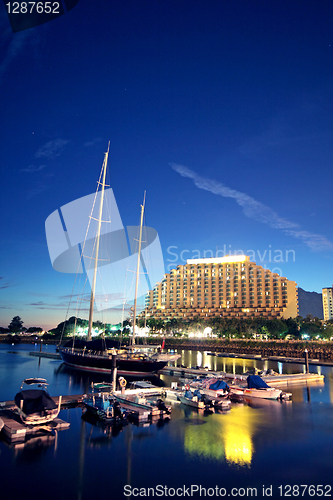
(328, 303)
(229, 286)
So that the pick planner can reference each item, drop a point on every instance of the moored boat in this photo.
(35, 406)
(104, 407)
(128, 362)
(195, 400)
(139, 401)
(257, 388)
(217, 388)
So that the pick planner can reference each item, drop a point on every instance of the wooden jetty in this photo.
(284, 379)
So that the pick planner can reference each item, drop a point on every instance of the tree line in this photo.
(291, 328)
(16, 326)
(299, 328)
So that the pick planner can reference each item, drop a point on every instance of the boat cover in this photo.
(256, 382)
(34, 401)
(219, 385)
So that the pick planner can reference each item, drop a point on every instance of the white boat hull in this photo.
(199, 405)
(215, 394)
(269, 393)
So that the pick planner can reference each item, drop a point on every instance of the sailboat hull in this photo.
(103, 364)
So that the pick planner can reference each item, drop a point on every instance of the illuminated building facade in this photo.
(228, 287)
(328, 303)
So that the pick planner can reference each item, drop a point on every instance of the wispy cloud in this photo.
(4, 284)
(96, 140)
(51, 149)
(255, 209)
(31, 168)
(47, 305)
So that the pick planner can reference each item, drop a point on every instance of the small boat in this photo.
(139, 401)
(35, 406)
(221, 403)
(195, 400)
(216, 389)
(104, 407)
(257, 388)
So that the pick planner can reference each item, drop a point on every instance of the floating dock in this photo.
(284, 379)
(15, 431)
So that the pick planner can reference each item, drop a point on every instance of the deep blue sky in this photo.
(221, 110)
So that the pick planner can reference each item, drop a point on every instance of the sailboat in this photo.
(98, 355)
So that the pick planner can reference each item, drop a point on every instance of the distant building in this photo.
(328, 303)
(228, 287)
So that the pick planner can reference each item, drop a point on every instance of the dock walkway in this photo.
(276, 380)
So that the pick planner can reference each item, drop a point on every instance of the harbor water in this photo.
(260, 448)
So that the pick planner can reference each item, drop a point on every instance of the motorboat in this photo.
(34, 405)
(138, 401)
(257, 388)
(104, 407)
(195, 399)
(216, 388)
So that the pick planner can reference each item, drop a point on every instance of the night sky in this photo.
(221, 110)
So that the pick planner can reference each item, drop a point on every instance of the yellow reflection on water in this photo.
(238, 433)
(226, 437)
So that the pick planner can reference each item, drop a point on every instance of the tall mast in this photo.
(138, 268)
(93, 285)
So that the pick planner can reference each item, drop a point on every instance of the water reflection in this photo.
(33, 449)
(227, 437)
(238, 433)
(238, 365)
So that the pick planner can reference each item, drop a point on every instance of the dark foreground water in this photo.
(258, 450)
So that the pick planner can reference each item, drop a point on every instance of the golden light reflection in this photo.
(228, 436)
(238, 435)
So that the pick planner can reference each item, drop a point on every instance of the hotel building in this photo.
(228, 287)
(328, 303)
